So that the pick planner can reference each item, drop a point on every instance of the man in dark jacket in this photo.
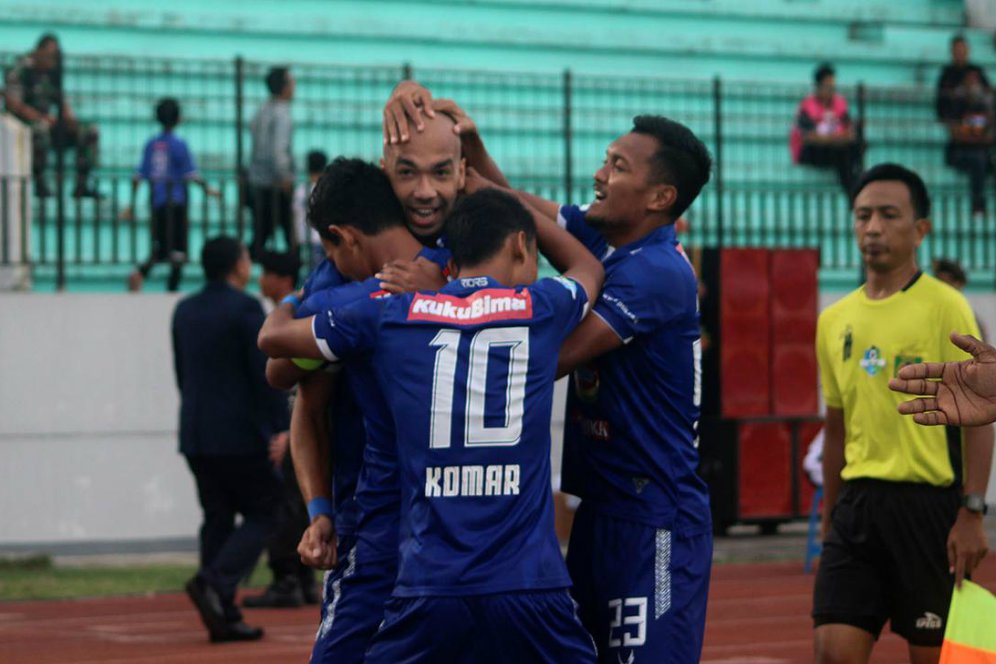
(228, 416)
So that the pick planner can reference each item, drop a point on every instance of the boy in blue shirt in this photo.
(468, 375)
(168, 166)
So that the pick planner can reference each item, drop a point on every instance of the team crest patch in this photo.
(872, 361)
(586, 382)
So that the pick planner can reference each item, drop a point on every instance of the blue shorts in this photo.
(353, 601)
(516, 628)
(641, 591)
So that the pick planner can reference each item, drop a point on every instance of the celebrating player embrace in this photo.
(468, 374)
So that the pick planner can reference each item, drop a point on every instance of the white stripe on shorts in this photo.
(662, 573)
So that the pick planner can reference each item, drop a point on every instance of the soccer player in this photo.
(963, 394)
(362, 226)
(480, 573)
(641, 545)
(901, 517)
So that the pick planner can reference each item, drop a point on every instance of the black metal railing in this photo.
(547, 131)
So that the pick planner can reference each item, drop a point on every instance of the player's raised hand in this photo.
(954, 393)
(420, 274)
(404, 110)
(464, 126)
(318, 543)
(474, 181)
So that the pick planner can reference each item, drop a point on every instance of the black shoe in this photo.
(282, 594)
(236, 631)
(208, 604)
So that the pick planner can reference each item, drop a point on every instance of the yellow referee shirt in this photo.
(861, 344)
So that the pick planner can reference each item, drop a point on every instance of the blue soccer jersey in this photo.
(630, 442)
(325, 275)
(167, 164)
(363, 432)
(468, 373)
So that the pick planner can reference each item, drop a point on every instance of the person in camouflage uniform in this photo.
(33, 90)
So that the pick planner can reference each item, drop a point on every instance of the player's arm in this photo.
(967, 544)
(471, 143)
(568, 255)
(311, 454)
(833, 463)
(283, 374)
(957, 393)
(282, 335)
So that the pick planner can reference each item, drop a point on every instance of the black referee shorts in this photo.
(885, 558)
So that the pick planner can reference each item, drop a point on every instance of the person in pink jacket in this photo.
(824, 135)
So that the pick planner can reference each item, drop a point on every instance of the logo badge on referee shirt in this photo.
(872, 361)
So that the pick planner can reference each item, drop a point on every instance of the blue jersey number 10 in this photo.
(475, 432)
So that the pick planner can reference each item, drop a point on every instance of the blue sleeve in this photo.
(325, 275)
(567, 300)
(638, 298)
(144, 169)
(572, 219)
(339, 296)
(347, 330)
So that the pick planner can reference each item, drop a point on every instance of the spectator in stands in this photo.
(317, 161)
(950, 272)
(271, 169)
(824, 135)
(168, 166)
(964, 103)
(34, 94)
(293, 583)
(229, 417)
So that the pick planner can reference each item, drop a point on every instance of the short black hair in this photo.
(951, 267)
(958, 39)
(823, 70)
(353, 192)
(46, 39)
(219, 257)
(276, 80)
(283, 264)
(481, 222)
(168, 112)
(681, 159)
(914, 183)
(317, 161)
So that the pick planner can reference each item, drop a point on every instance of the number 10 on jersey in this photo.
(475, 431)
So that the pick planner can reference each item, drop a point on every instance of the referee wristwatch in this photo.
(974, 502)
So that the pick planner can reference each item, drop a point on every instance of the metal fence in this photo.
(547, 131)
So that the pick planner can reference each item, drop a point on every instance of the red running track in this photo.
(758, 614)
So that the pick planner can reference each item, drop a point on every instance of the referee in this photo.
(903, 504)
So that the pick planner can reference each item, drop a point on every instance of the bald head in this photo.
(438, 137)
(427, 173)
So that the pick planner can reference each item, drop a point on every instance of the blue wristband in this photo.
(291, 299)
(320, 506)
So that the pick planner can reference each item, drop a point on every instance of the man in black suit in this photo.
(228, 416)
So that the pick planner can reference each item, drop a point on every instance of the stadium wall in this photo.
(88, 411)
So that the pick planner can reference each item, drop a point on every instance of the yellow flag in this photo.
(970, 636)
